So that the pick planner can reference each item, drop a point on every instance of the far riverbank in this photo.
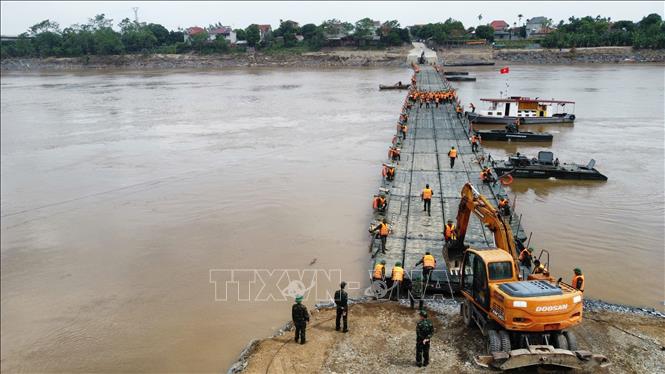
(393, 57)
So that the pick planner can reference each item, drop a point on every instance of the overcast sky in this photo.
(17, 16)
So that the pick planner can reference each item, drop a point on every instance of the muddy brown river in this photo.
(122, 191)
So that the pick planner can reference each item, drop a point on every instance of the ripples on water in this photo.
(121, 190)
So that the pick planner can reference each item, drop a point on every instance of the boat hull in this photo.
(460, 78)
(502, 135)
(402, 87)
(480, 119)
(545, 172)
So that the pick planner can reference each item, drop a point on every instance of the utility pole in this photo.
(136, 14)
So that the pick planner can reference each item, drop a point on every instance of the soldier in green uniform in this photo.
(424, 331)
(300, 317)
(416, 293)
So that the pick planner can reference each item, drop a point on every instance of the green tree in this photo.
(107, 41)
(308, 31)
(364, 29)
(485, 32)
(44, 26)
(253, 35)
(160, 32)
(99, 22)
(240, 34)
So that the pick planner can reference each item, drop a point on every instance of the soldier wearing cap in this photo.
(300, 317)
(342, 302)
(424, 331)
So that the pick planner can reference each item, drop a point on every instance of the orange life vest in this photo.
(524, 254)
(450, 232)
(452, 153)
(378, 202)
(378, 271)
(427, 193)
(398, 274)
(474, 139)
(384, 230)
(429, 261)
(391, 172)
(575, 279)
(503, 202)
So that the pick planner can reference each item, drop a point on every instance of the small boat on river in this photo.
(397, 86)
(545, 166)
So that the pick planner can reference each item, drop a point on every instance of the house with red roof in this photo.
(499, 25)
(501, 29)
(224, 31)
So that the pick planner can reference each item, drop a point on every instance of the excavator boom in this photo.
(474, 203)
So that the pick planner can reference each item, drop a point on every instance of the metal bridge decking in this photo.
(424, 160)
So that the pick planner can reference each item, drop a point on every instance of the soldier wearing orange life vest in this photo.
(475, 141)
(388, 172)
(397, 276)
(453, 155)
(504, 206)
(379, 272)
(426, 196)
(578, 280)
(383, 230)
(429, 263)
(379, 203)
(526, 256)
(394, 154)
(449, 233)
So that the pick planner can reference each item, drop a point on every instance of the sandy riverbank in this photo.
(382, 335)
(334, 58)
(326, 58)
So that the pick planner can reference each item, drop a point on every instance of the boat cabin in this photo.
(516, 106)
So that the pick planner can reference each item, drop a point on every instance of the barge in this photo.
(545, 166)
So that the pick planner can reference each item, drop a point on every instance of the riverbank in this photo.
(596, 55)
(381, 339)
(326, 58)
(391, 57)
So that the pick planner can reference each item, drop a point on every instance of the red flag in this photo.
(505, 70)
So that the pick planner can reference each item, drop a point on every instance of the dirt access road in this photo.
(382, 339)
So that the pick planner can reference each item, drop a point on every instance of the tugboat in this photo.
(512, 133)
(530, 111)
(545, 166)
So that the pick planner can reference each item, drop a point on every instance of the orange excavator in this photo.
(524, 321)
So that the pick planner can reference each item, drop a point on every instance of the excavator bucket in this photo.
(545, 356)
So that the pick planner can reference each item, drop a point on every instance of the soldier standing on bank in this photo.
(424, 331)
(342, 302)
(300, 317)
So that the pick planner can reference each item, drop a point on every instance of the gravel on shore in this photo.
(382, 335)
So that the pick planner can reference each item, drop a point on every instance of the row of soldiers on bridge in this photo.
(428, 98)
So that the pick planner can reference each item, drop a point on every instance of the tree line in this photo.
(98, 36)
(600, 31)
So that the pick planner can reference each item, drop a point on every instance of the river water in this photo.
(121, 191)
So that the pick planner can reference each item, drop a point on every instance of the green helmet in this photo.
(578, 271)
(383, 262)
(398, 263)
(298, 298)
(423, 313)
(530, 249)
